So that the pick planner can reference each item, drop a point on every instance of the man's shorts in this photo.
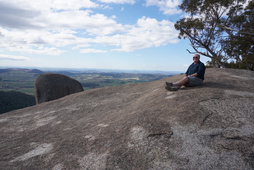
(194, 81)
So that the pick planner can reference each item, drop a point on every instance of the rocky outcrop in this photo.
(138, 126)
(51, 86)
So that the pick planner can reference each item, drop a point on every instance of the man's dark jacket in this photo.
(198, 68)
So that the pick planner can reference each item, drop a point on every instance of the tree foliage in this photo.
(240, 42)
(13, 100)
(220, 30)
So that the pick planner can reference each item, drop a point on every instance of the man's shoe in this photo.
(171, 88)
(169, 84)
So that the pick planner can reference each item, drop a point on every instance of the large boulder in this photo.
(51, 86)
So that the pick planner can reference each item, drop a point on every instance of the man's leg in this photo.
(181, 82)
(195, 81)
(191, 81)
(176, 85)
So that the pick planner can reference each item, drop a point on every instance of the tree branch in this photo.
(201, 43)
(231, 29)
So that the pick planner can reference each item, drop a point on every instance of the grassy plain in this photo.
(22, 80)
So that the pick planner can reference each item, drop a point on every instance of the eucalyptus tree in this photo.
(208, 26)
(240, 43)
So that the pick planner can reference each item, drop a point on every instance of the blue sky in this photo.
(103, 34)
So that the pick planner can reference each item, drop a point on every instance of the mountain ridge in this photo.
(137, 126)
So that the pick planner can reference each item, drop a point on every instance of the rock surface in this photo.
(138, 126)
(51, 86)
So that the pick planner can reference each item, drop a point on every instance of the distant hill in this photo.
(13, 100)
(16, 79)
(138, 126)
(22, 80)
(36, 71)
(4, 70)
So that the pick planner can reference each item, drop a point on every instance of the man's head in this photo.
(196, 58)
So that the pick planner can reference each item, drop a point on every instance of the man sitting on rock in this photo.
(194, 76)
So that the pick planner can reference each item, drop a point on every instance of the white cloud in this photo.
(92, 51)
(92, 24)
(119, 1)
(73, 4)
(37, 27)
(146, 33)
(168, 7)
(47, 5)
(12, 57)
(35, 42)
(15, 17)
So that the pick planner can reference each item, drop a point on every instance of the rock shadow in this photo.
(211, 84)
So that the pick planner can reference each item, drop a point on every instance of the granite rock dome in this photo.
(137, 126)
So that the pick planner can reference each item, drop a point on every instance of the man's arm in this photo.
(194, 75)
(201, 70)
